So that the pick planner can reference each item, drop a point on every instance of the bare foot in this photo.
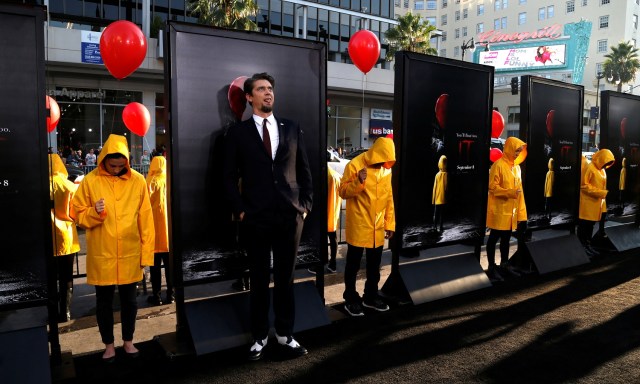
(129, 347)
(109, 351)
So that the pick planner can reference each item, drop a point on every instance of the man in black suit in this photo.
(274, 196)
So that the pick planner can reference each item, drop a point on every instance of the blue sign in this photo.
(90, 47)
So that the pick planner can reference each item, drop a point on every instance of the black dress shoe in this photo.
(291, 346)
(133, 355)
(257, 349)
(109, 360)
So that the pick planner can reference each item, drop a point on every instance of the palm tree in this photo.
(622, 64)
(411, 34)
(232, 14)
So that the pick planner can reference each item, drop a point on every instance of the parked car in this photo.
(355, 153)
(76, 174)
(335, 161)
(588, 155)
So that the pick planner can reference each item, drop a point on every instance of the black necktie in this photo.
(266, 139)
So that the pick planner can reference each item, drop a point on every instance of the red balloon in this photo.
(441, 109)
(550, 116)
(495, 154)
(623, 128)
(236, 97)
(364, 50)
(497, 124)
(137, 118)
(123, 48)
(54, 114)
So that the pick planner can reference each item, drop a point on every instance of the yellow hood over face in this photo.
(603, 159)
(157, 167)
(550, 164)
(56, 166)
(510, 147)
(442, 163)
(383, 151)
(115, 144)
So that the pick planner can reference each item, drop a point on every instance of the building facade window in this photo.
(456, 33)
(635, 21)
(571, 6)
(445, 3)
(480, 28)
(602, 46)
(443, 20)
(522, 1)
(513, 115)
(443, 52)
(503, 23)
(505, 3)
(418, 5)
(465, 13)
(345, 128)
(599, 68)
(585, 3)
(464, 31)
(457, 15)
(604, 21)
(522, 18)
(431, 20)
(496, 5)
(496, 24)
(480, 9)
(542, 13)
(550, 11)
(444, 36)
(605, 2)
(432, 4)
(456, 51)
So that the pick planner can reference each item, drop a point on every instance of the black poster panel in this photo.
(551, 125)
(442, 110)
(620, 133)
(25, 224)
(204, 62)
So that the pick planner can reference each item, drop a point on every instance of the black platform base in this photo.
(553, 250)
(24, 356)
(223, 322)
(441, 272)
(623, 236)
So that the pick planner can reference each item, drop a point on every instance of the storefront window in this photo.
(345, 128)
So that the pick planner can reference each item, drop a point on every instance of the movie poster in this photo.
(551, 125)
(206, 98)
(441, 129)
(620, 133)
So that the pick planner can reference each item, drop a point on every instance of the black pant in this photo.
(156, 277)
(437, 216)
(585, 231)
(354, 256)
(333, 248)
(64, 268)
(505, 237)
(278, 233)
(128, 311)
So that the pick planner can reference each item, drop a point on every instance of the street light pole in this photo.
(599, 77)
(468, 45)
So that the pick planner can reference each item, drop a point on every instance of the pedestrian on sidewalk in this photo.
(505, 203)
(269, 154)
(334, 204)
(370, 219)
(157, 185)
(112, 204)
(65, 233)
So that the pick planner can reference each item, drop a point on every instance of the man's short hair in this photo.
(248, 84)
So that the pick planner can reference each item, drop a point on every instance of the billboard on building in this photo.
(551, 125)
(204, 104)
(620, 133)
(442, 123)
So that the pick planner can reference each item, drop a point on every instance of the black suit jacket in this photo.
(266, 185)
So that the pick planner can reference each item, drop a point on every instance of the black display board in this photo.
(202, 63)
(25, 224)
(442, 108)
(551, 125)
(620, 133)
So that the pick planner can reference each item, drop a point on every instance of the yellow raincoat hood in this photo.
(65, 234)
(382, 151)
(114, 144)
(603, 159)
(509, 152)
(157, 168)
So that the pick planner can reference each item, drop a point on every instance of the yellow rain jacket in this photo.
(157, 184)
(120, 240)
(65, 234)
(505, 206)
(548, 181)
(623, 175)
(594, 190)
(370, 208)
(438, 196)
(334, 201)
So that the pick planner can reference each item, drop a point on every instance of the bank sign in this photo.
(552, 47)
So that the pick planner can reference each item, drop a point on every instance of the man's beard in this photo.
(266, 109)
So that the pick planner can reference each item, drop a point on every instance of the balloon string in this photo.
(364, 81)
(145, 140)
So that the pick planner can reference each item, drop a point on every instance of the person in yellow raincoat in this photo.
(593, 192)
(65, 234)
(370, 219)
(622, 185)
(548, 188)
(334, 204)
(112, 204)
(438, 196)
(157, 185)
(505, 204)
